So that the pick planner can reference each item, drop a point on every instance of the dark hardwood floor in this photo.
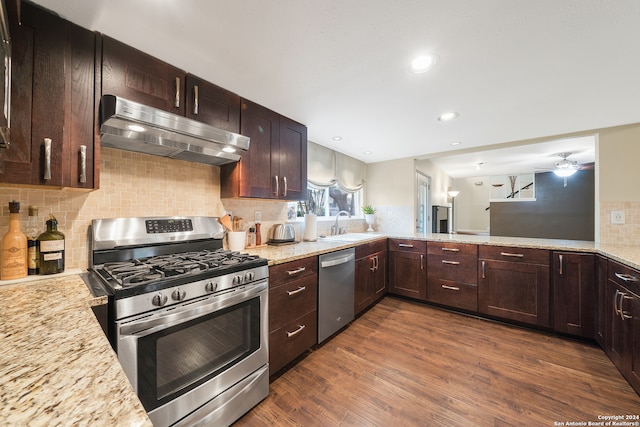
(407, 364)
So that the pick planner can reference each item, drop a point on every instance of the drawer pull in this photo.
(296, 271)
(483, 276)
(297, 291)
(405, 245)
(452, 288)
(421, 262)
(626, 277)
(512, 255)
(296, 332)
(451, 249)
(444, 261)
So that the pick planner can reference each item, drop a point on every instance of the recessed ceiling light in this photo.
(456, 143)
(423, 63)
(448, 116)
(136, 128)
(337, 138)
(366, 153)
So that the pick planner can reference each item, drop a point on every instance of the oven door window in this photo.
(175, 360)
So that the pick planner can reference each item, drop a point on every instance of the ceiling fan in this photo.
(565, 168)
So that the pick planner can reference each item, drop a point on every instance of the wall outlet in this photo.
(617, 217)
(258, 216)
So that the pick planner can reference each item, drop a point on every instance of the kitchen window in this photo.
(334, 183)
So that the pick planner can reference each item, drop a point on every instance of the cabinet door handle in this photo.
(284, 181)
(405, 245)
(626, 277)
(83, 164)
(512, 255)
(483, 276)
(373, 263)
(377, 262)
(47, 159)
(296, 271)
(560, 258)
(615, 302)
(452, 288)
(296, 332)
(297, 291)
(275, 193)
(421, 262)
(623, 315)
(444, 261)
(196, 98)
(451, 249)
(177, 101)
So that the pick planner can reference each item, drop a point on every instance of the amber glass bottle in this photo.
(13, 258)
(51, 248)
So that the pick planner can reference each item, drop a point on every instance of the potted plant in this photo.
(369, 216)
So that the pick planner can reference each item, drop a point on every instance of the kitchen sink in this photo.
(350, 237)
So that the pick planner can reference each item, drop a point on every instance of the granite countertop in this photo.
(628, 255)
(57, 368)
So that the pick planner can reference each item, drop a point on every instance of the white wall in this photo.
(390, 189)
(471, 204)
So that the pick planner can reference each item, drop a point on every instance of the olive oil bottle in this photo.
(51, 248)
(13, 257)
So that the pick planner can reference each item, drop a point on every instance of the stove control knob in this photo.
(237, 280)
(249, 276)
(160, 299)
(178, 295)
(211, 287)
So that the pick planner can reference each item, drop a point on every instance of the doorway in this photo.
(423, 203)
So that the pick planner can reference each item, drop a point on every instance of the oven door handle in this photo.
(147, 326)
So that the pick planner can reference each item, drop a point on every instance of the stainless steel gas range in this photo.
(187, 318)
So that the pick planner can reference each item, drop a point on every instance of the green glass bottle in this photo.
(51, 248)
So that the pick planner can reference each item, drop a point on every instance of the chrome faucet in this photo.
(334, 228)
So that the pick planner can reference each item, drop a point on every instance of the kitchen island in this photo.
(58, 367)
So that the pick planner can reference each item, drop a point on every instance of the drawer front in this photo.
(293, 339)
(462, 269)
(625, 276)
(452, 250)
(453, 294)
(370, 248)
(510, 254)
(407, 245)
(292, 300)
(283, 273)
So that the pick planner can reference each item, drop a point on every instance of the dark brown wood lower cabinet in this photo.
(574, 294)
(513, 284)
(293, 310)
(408, 268)
(623, 329)
(370, 275)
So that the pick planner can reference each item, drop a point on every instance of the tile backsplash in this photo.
(627, 234)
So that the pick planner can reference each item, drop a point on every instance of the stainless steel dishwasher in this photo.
(335, 292)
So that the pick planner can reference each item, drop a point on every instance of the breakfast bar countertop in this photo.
(56, 365)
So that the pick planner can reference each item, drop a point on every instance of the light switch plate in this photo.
(258, 216)
(617, 217)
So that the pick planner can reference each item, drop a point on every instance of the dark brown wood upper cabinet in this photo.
(139, 77)
(212, 104)
(52, 97)
(574, 294)
(275, 167)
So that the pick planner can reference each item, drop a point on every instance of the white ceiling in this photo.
(513, 70)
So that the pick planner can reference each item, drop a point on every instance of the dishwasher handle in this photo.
(337, 261)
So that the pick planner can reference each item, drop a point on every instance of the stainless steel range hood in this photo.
(131, 126)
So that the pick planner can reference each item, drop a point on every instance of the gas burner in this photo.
(148, 270)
